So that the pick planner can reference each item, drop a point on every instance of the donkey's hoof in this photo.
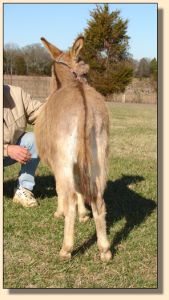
(58, 214)
(105, 256)
(83, 219)
(64, 255)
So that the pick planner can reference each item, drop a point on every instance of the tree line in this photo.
(30, 60)
(106, 49)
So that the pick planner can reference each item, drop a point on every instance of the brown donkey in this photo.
(72, 138)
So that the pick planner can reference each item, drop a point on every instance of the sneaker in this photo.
(24, 197)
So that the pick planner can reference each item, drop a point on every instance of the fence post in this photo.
(123, 98)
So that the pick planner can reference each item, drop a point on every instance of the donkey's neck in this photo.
(62, 75)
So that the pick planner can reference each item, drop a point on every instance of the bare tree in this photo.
(10, 52)
(143, 68)
(36, 58)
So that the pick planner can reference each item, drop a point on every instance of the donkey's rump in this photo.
(58, 123)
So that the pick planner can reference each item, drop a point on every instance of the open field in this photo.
(33, 238)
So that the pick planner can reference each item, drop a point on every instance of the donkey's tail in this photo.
(85, 175)
(85, 154)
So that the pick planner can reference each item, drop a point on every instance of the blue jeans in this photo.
(27, 173)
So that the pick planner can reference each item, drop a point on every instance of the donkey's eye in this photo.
(78, 59)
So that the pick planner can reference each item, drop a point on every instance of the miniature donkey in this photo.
(72, 138)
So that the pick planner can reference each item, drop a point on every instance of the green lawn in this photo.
(33, 238)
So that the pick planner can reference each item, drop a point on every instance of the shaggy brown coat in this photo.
(72, 138)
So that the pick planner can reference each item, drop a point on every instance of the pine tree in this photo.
(153, 69)
(106, 51)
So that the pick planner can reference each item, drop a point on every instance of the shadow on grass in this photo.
(122, 202)
(44, 188)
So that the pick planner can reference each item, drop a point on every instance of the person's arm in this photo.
(32, 107)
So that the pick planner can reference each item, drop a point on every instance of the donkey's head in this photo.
(70, 58)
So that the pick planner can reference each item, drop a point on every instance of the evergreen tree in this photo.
(153, 69)
(106, 51)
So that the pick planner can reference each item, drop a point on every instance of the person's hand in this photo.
(18, 153)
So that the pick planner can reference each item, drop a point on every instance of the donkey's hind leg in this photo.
(70, 215)
(99, 212)
(98, 205)
(60, 209)
(82, 211)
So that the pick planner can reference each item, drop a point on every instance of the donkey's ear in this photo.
(54, 51)
(77, 46)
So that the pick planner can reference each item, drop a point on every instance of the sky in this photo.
(60, 23)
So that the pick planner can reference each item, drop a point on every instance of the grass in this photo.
(33, 238)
